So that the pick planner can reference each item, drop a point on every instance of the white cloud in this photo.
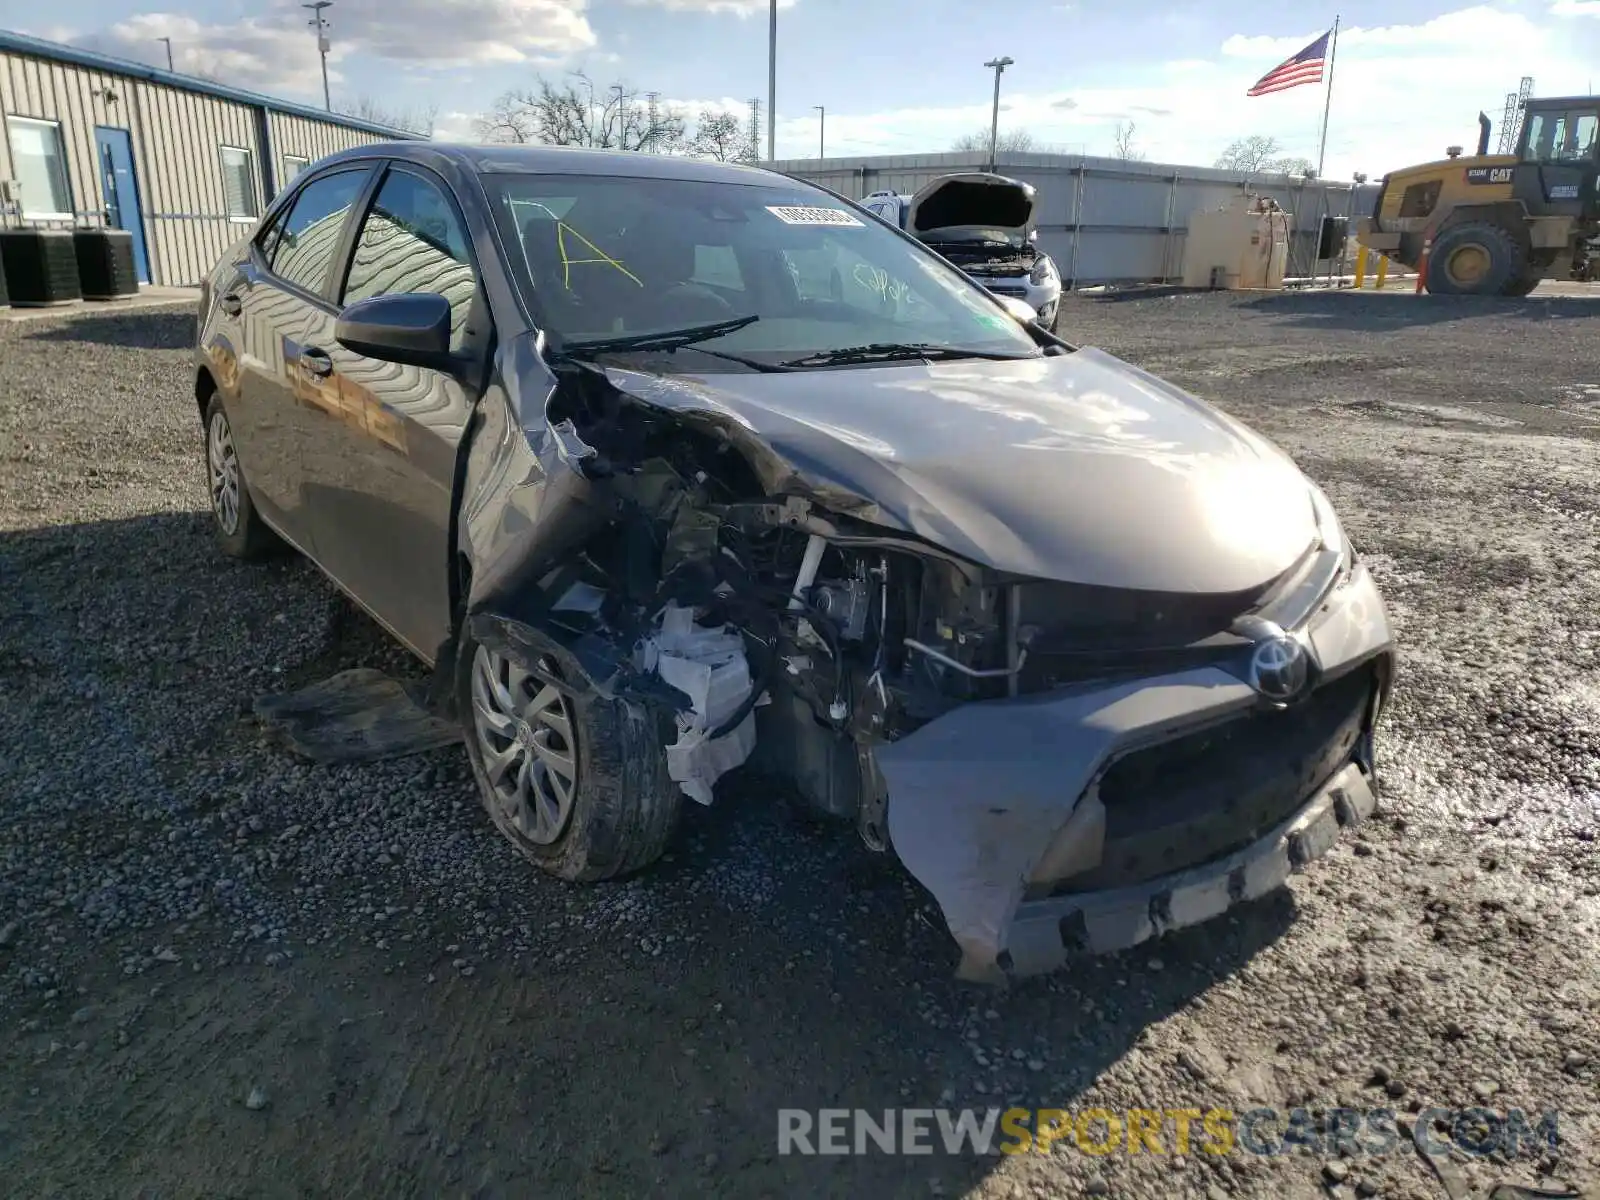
(1466, 29)
(279, 55)
(455, 127)
(740, 8)
(1402, 94)
(248, 54)
(1576, 8)
(450, 33)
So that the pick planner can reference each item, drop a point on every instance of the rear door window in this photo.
(311, 235)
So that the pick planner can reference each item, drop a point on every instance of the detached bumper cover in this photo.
(978, 795)
(1044, 933)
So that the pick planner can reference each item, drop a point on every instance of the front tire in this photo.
(240, 530)
(578, 784)
(1475, 259)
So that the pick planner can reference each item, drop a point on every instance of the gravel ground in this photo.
(224, 972)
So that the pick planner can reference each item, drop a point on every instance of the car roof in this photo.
(560, 160)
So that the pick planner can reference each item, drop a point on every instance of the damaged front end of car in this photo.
(1063, 765)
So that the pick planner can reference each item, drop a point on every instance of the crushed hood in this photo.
(1078, 468)
(971, 201)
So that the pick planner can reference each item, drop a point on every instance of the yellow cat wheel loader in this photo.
(1500, 223)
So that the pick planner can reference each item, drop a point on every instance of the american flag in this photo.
(1305, 67)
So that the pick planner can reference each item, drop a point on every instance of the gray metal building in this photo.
(1107, 220)
(184, 164)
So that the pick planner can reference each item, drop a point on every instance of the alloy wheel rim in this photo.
(525, 735)
(224, 465)
(1468, 265)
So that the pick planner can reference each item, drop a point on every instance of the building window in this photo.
(40, 168)
(293, 164)
(239, 184)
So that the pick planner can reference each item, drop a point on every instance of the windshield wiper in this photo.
(664, 339)
(895, 351)
(673, 339)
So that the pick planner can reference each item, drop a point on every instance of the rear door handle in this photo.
(231, 304)
(316, 362)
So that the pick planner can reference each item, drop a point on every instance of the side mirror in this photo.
(408, 327)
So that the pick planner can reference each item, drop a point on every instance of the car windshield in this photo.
(604, 259)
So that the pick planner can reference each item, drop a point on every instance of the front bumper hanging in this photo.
(979, 796)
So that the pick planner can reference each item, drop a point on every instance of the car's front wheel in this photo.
(578, 784)
(240, 530)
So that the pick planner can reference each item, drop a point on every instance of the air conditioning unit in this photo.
(41, 266)
(105, 263)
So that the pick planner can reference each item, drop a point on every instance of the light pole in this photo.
(622, 116)
(588, 110)
(168, 41)
(822, 130)
(772, 81)
(320, 24)
(997, 65)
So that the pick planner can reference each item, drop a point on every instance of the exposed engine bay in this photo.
(769, 612)
(1032, 750)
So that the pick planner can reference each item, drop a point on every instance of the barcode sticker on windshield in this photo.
(799, 215)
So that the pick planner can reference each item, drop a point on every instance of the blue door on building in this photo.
(115, 150)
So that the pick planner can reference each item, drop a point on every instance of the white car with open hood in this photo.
(984, 224)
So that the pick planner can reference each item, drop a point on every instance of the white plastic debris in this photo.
(709, 667)
(580, 597)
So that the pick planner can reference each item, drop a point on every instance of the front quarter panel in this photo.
(524, 503)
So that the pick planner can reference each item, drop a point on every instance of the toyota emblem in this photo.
(1279, 668)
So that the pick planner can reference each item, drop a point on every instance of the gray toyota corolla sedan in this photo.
(667, 467)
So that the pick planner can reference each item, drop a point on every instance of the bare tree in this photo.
(1258, 155)
(1009, 139)
(1248, 154)
(1122, 144)
(722, 136)
(413, 120)
(578, 114)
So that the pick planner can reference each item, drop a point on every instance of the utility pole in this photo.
(822, 130)
(772, 81)
(168, 41)
(755, 127)
(653, 115)
(622, 116)
(997, 65)
(320, 24)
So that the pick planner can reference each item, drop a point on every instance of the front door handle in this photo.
(231, 304)
(315, 361)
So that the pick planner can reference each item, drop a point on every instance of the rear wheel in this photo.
(578, 784)
(1521, 287)
(1475, 259)
(240, 530)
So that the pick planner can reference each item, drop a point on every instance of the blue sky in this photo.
(905, 77)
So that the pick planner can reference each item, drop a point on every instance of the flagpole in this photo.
(1327, 104)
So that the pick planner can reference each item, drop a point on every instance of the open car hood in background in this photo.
(972, 200)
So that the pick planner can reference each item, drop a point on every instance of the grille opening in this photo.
(1203, 795)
